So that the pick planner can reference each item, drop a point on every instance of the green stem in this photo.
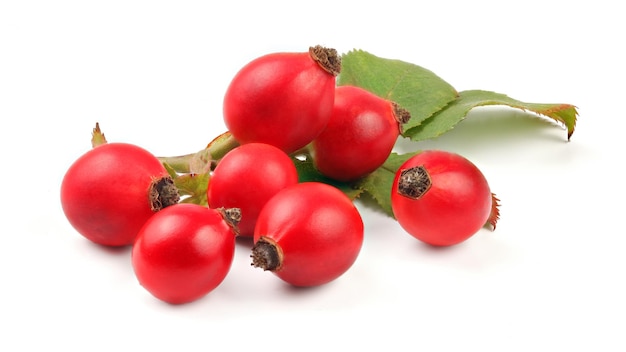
(211, 154)
(178, 163)
(221, 145)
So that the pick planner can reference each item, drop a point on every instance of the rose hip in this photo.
(247, 177)
(282, 99)
(442, 198)
(308, 234)
(360, 135)
(112, 190)
(185, 251)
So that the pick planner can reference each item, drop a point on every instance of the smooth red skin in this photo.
(105, 192)
(247, 177)
(282, 99)
(359, 137)
(183, 252)
(318, 230)
(456, 206)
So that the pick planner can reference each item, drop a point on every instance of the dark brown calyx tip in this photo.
(232, 216)
(163, 193)
(266, 255)
(414, 182)
(401, 114)
(327, 58)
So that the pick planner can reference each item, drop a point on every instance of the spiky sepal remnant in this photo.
(97, 137)
(495, 212)
(266, 254)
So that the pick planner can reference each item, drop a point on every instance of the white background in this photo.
(154, 73)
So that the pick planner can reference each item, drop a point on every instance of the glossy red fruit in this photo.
(441, 198)
(184, 252)
(308, 234)
(282, 99)
(112, 190)
(247, 177)
(360, 135)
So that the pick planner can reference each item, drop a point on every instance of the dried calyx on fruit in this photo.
(327, 58)
(414, 182)
(266, 255)
(163, 193)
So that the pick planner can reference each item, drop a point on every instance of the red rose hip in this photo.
(308, 234)
(360, 134)
(442, 198)
(185, 251)
(247, 177)
(112, 190)
(282, 99)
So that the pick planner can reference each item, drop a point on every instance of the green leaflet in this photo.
(435, 106)
(414, 88)
(379, 183)
(308, 173)
(191, 187)
(454, 113)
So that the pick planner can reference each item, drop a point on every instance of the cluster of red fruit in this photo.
(307, 233)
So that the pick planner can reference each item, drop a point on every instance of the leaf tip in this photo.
(572, 126)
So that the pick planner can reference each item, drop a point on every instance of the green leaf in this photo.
(414, 88)
(308, 173)
(454, 113)
(193, 187)
(170, 170)
(379, 183)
